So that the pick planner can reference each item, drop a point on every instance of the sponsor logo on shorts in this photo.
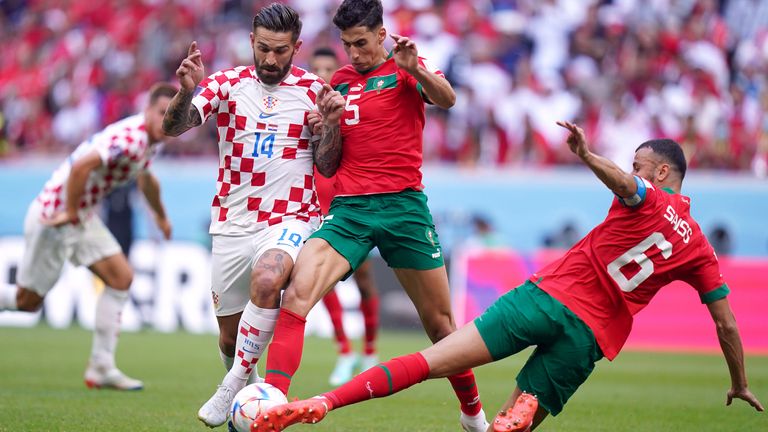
(436, 255)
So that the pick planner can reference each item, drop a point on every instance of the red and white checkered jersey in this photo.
(265, 159)
(125, 151)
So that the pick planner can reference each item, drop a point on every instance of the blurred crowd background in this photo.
(626, 70)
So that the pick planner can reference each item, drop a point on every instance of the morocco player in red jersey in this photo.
(375, 116)
(324, 63)
(575, 310)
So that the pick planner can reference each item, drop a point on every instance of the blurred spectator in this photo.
(565, 237)
(720, 239)
(693, 70)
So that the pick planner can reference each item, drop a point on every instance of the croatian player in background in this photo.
(375, 117)
(265, 206)
(575, 310)
(324, 64)
(62, 224)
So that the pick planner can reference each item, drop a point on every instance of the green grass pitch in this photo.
(41, 388)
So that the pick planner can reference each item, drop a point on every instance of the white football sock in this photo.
(109, 307)
(8, 297)
(254, 332)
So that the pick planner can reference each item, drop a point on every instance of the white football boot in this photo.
(368, 361)
(344, 369)
(111, 378)
(214, 412)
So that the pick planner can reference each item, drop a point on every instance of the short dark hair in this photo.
(325, 52)
(161, 89)
(670, 151)
(278, 18)
(355, 13)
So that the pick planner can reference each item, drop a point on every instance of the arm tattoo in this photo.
(327, 152)
(181, 114)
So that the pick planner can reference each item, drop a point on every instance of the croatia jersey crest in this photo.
(270, 103)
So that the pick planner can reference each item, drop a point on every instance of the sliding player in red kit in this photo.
(577, 309)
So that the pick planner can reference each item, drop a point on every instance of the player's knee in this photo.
(28, 301)
(440, 326)
(298, 300)
(265, 289)
(123, 282)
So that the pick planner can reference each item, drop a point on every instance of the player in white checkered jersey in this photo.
(265, 205)
(61, 224)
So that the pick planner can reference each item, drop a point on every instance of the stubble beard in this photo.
(272, 79)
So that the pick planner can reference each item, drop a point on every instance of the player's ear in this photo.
(253, 38)
(297, 46)
(381, 35)
(664, 171)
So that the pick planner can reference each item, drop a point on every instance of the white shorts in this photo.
(46, 248)
(233, 257)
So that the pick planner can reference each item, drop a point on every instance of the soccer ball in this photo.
(251, 401)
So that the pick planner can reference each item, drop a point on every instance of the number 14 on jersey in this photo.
(263, 147)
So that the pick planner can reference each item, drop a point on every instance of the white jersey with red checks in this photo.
(265, 159)
(124, 150)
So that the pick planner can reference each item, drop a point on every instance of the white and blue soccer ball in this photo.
(251, 401)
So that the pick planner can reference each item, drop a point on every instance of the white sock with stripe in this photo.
(254, 332)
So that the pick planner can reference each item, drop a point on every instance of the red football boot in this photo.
(302, 411)
(519, 417)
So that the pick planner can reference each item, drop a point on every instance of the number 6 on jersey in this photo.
(637, 254)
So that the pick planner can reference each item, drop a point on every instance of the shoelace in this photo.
(222, 403)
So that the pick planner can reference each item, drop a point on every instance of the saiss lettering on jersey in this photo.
(679, 224)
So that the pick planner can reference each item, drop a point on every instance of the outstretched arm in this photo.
(181, 114)
(436, 88)
(327, 152)
(730, 343)
(621, 183)
(150, 187)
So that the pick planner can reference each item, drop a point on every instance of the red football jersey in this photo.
(613, 272)
(326, 190)
(381, 129)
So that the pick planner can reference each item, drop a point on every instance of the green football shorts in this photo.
(566, 349)
(399, 224)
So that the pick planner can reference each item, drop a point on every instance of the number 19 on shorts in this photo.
(289, 238)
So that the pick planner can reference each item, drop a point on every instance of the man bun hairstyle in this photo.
(278, 18)
(670, 151)
(161, 89)
(356, 13)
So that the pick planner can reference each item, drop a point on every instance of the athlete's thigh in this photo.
(276, 248)
(44, 254)
(94, 243)
(114, 270)
(406, 236)
(457, 352)
(318, 268)
(348, 229)
(428, 290)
